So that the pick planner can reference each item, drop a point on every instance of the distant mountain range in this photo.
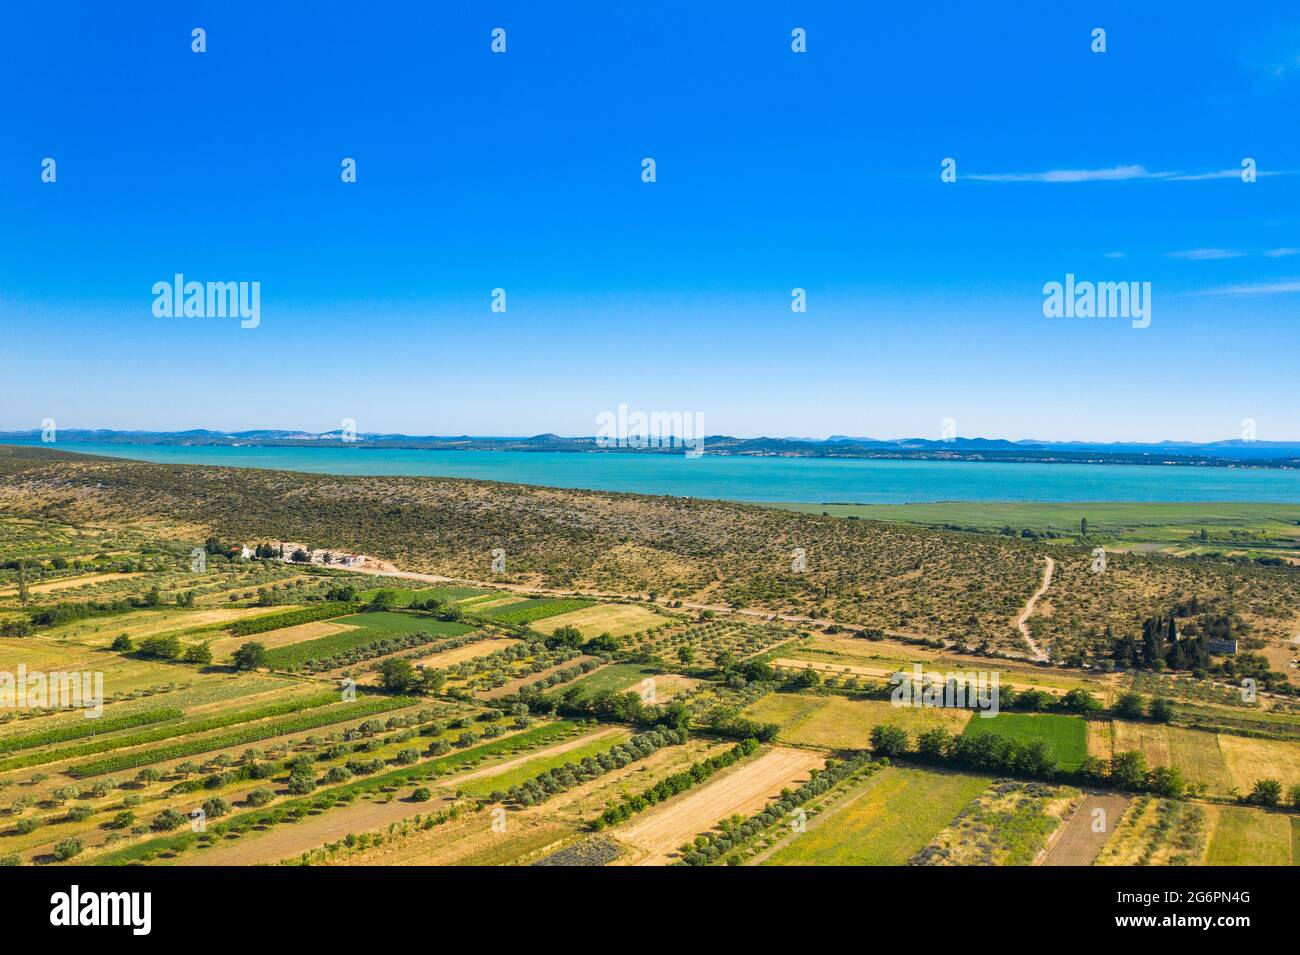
(1284, 454)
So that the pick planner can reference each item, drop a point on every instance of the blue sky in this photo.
(775, 170)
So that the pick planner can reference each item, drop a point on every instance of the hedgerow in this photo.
(672, 785)
(167, 732)
(710, 846)
(292, 618)
(88, 727)
(552, 782)
(354, 646)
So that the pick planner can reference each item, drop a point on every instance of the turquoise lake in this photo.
(810, 480)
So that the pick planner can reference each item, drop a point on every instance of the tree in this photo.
(934, 743)
(167, 820)
(215, 808)
(23, 595)
(1267, 792)
(431, 680)
(249, 656)
(1165, 781)
(1128, 770)
(1080, 700)
(383, 600)
(806, 679)
(301, 781)
(397, 675)
(122, 644)
(300, 556)
(686, 656)
(567, 636)
(67, 848)
(1130, 705)
(198, 653)
(888, 740)
(602, 644)
(1083, 528)
(162, 647)
(1161, 710)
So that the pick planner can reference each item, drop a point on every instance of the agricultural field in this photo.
(654, 839)
(529, 610)
(1219, 762)
(617, 620)
(1007, 824)
(891, 817)
(326, 751)
(834, 722)
(1066, 736)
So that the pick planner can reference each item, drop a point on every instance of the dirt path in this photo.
(1023, 622)
(743, 791)
(1078, 841)
(498, 768)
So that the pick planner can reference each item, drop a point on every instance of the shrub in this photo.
(67, 848)
(167, 820)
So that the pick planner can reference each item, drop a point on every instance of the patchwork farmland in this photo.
(258, 712)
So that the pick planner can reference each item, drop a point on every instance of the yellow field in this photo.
(1250, 759)
(618, 620)
(68, 582)
(101, 631)
(1150, 739)
(836, 723)
(223, 648)
(468, 652)
(1241, 836)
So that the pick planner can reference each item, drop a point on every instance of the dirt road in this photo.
(1023, 622)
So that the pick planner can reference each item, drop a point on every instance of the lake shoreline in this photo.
(755, 480)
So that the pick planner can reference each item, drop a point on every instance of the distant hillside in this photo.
(1274, 454)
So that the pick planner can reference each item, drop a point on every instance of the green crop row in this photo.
(88, 727)
(250, 734)
(526, 611)
(167, 732)
(293, 655)
(291, 618)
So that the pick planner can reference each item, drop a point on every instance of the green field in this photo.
(295, 655)
(892, 817)
(405, 597)
(618, 677)
(1250, 837)
(1066, 735)
(538, 608)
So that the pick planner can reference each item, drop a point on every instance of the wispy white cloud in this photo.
(1116, 174)
(1113, 174)
(1281, 253)
(1205, 255)
(1277, 287)
(1114, 255)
